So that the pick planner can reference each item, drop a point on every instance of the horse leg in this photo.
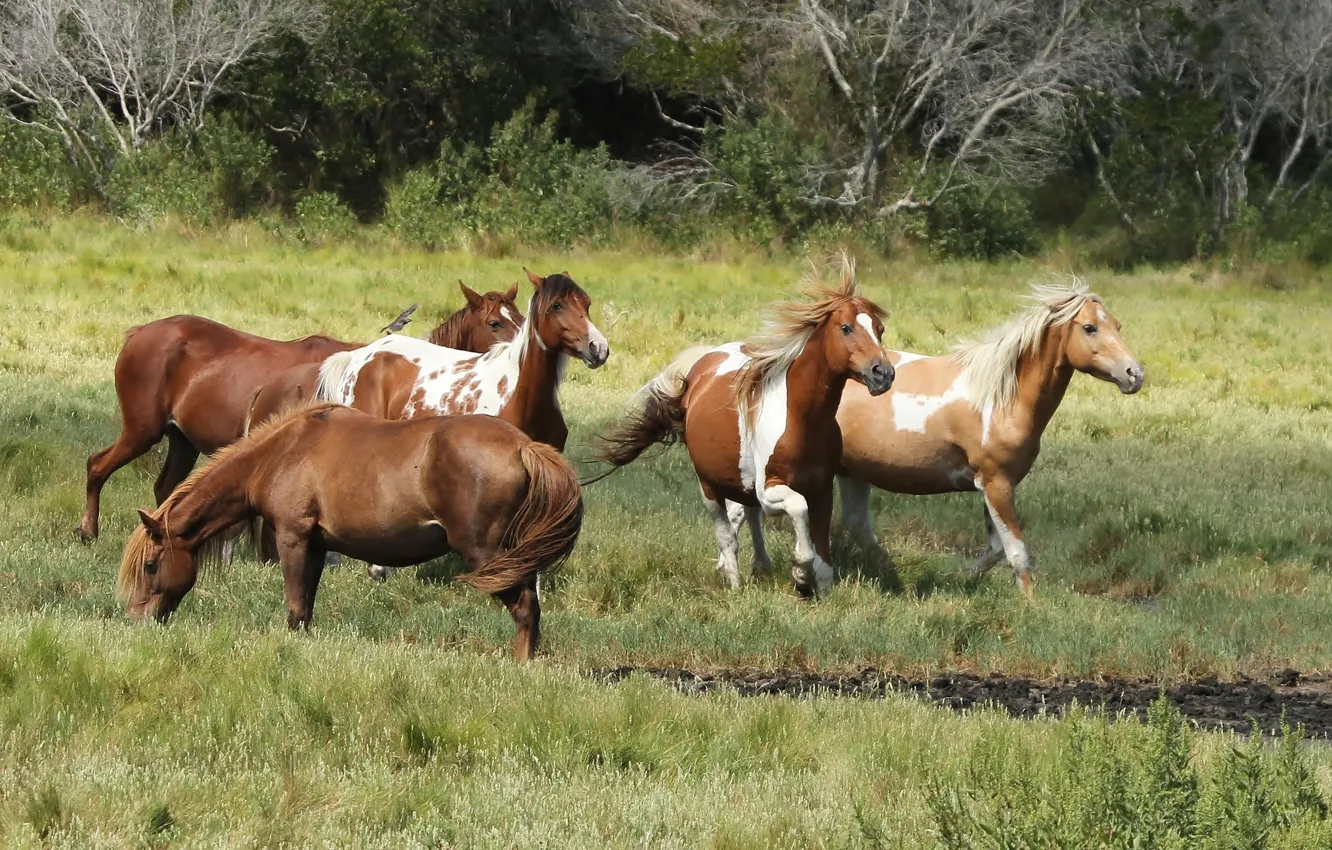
(994, 551)
(754, 516)
(134, 440)
(999, 502)
(525, 607)
(820, 532)
(728, 546)
(302, 567)
(856, 509)
(378, 572)
(809, 571)
(181, 455)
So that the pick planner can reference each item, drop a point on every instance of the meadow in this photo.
(1184, 531)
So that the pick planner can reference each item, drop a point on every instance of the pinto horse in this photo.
(759, 420)
(481, 323)
(399, 377)
(510, 506)
(973, 420)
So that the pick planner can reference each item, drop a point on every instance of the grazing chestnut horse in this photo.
(510, 506)
(973, 420)
(399, 377)
(759, 419)
(484, 321)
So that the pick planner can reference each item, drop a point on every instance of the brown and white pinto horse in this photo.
(399, 377)
(973, 420)
(759, 420)
(479, 325)
(510, 506)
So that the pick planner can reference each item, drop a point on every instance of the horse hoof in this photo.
(805, 591)
(84, 537)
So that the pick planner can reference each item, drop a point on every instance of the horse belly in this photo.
(909, 464)
(399, 548)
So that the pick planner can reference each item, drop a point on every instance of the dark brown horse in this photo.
(759, 421)
(483, 321)
(511, 507)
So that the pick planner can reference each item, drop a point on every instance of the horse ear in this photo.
(511, 293)
(536, 279)
(151, 524)
(471, 295)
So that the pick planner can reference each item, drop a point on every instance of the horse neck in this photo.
(813, 392)
(535, 396)
(1042, 380)
(216, 501)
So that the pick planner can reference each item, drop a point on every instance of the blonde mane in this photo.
(140, 545)
(989, 366)
(789, 326)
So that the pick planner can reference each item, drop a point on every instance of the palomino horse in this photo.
(510, 506)
(973, 420)
(759, 419)
(399, 377)
(481, 323)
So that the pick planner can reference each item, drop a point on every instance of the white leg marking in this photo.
(856, 508)
(809, 568)
(1014, 549)
(378, 572)
(728, 547)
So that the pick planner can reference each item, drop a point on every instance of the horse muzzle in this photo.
(878, 378)
(1130, 379)
(596, 353)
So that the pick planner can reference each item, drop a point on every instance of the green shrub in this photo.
(321, 217)
(414, 212)
(240, 164)
(984, 223)
(165, 178)
(36, 171)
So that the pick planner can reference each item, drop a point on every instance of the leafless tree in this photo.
(985, 83)
(104, 75)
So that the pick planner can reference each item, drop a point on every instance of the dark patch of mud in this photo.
(1212, 704)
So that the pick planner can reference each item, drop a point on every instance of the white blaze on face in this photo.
(1101, 316)
(864, 320)
(508, 314)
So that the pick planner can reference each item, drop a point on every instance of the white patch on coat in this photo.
(912, 411)
(905, 357)
(987, 413)
(864, 320)
(735, 358)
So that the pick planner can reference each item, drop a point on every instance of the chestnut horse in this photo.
(759, 419)
(399, 377)
(481, 323)
(973, 420)
(510, 506)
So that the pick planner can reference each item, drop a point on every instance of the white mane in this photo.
(989, 367)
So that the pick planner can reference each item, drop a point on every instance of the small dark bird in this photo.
(400, 322)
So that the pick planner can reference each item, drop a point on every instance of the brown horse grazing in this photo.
(759, 419)
(511, 507)
(399, 377)
(191, 380)
(973, 420)
(481, 323)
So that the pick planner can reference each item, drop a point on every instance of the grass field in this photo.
(1183, 531)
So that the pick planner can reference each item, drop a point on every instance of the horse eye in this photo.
(557, 305)
(494, 326)
(1089, 329)
(150, 568)
(846, 330)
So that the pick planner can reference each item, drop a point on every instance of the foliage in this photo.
(36, 172)
(322, 217)
(1132, 787)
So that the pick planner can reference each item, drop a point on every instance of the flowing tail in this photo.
(331, 372)
(654, 415)
(543, 532)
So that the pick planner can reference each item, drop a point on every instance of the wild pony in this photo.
(481, 323)
(973, 420)
(759, 420)
(399, 377)
(510, 506)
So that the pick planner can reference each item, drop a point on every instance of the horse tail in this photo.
(654, 415)
(331, 374)
(543, 532)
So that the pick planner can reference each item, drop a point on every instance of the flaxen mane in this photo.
(989, 367)
(140, 545)
(790, 325)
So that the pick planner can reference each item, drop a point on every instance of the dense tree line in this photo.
(1162, 128)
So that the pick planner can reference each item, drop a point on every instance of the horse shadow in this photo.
(872, 564)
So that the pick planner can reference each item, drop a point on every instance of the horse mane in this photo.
(449, 332)
(209, 552)
(789, 326)
(989, 366)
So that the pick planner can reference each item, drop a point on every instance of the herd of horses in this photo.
(402, 450)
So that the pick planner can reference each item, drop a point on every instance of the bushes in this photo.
(1129, 786)
(36, 172)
